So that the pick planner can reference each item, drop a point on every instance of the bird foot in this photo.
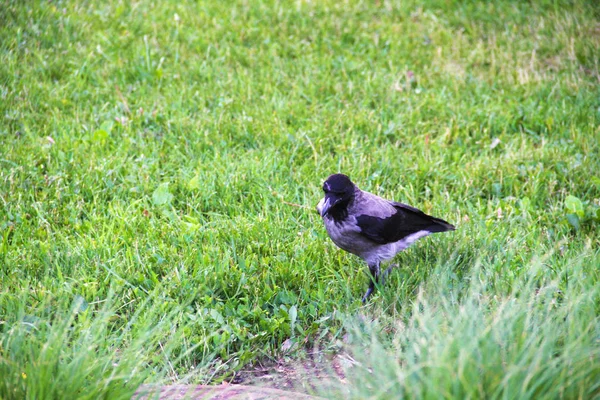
(377, 277)
(367, 294)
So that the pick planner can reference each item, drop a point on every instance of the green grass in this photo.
(153, 156)
(536, 342)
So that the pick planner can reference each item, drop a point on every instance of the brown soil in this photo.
(286, 380)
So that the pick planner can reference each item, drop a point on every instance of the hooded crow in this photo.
(373, 228)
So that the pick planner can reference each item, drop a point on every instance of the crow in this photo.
(370, 227)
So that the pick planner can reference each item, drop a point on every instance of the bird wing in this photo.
(405, 221)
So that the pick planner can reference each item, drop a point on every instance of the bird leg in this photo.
(375, 272)
(386, 273)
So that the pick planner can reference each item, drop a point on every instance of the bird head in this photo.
(339, 190)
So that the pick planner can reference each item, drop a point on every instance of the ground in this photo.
(160, 163)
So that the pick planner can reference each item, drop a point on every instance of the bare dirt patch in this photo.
(281, 379)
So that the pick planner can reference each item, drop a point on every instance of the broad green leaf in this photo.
(161, 195)
(100, 135)
(217, 316)
(574, 206)
(194, 183)
(189, 227)
(293, 314)
(574, 221)
(107, 126)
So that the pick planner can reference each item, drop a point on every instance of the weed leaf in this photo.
(574, 206)
(161, 195)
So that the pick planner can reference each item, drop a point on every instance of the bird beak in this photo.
(323, 206)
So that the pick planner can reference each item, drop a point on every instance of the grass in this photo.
(535, 342)
(160, 164)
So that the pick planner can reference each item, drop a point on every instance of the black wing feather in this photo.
(406, 221)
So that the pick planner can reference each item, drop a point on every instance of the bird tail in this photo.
(439, 225)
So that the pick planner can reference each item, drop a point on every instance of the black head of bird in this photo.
(373, 228)
(339, 191)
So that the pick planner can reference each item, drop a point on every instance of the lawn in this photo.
(160, 163)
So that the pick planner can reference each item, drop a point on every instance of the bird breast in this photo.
(346, 235)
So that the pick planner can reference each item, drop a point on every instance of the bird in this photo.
(373, 228)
